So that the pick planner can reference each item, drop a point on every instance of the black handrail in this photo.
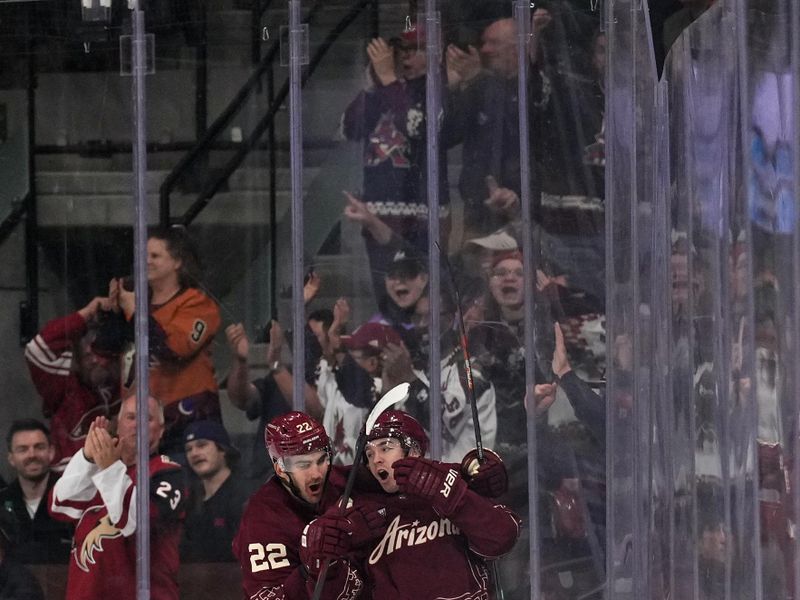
(241, 153)
(13, 218)
(221, 122)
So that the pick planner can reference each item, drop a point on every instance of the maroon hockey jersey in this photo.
(424, 556)
(268, 541)
(70, 405)
(103, 506)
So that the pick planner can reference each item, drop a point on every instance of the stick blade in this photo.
(394, 396)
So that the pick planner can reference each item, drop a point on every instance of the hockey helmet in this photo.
(295, 433)
(403, 427)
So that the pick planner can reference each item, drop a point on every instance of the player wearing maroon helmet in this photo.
(304, 486)
(439, 531)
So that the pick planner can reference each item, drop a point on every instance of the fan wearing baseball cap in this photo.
(218, 496)
(350, 388)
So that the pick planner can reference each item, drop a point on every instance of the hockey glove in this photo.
(326, 537)
(434, 481)
(365, 523)
(489, 479)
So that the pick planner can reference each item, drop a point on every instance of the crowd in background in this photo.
(82, 364)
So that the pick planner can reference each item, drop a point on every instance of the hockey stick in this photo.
(467, 361)
(471, 387)
(395, 395)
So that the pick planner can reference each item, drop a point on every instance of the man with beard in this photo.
(41, 538)
(305, 485)
(98, 492)
(74, 364)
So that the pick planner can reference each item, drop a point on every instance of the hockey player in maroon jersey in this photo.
(439, 532)
(305, 485)
(97, 491)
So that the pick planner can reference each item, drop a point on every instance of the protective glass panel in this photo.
(715, 491)
(624, 562)
(311, 153)
(769, 118)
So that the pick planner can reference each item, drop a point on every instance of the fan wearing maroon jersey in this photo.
(305, 485)
(98, 492)
(439, 531)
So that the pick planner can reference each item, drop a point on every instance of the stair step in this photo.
(227, 208)
(109, 183)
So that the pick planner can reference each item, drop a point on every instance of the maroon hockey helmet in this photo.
(403, 427)
(295, 433)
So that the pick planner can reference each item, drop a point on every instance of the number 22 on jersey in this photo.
(265, 557)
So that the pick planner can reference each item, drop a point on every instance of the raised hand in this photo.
(397, 365)
(462, 66)
(276, 338)
(356, 210)
(561, 364)
(341, 311)
(381, 57)
(501, 200)
(113, 294)
(311, 287)
(544, 394)
(96, 305)
(106, 450)
(89, 443)
(238, 341)
(127, 301)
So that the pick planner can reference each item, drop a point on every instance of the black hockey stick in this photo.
(467, 361)
(471, 387)
(397, 394)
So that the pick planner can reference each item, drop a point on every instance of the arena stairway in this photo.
(84, 208)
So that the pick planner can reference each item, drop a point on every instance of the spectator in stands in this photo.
(389, 247)
(485, 118)
(351, 383)
(183, 321)
(40, 539)
(74, 364)
(98, 493)
(264, 398)
(497, 344)
(389, 116)
(404, 271)
(714, 545)
(570, 157)
(16, 580)
(213, 518)
(270, 396)
(402, 364)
